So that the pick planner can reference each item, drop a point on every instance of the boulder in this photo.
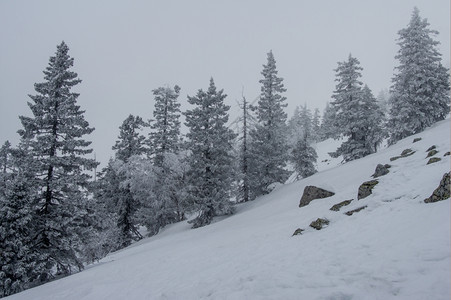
(366, 189)
(319, 223)
(405, 153)
(416, 140)
(312, 193)
(298, 231)
(433, 160)
(447, 154)
(432, 153)
(381, 170)
(442, 192)
(433, 147)
(349, 213)
(337, 206)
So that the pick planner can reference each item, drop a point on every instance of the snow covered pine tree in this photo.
(357, 114)
(210, 142)
(268, 148)
(420, 90)
(53, 138)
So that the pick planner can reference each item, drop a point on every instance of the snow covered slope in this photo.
(396, 248)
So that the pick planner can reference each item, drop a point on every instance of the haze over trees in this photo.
(55, 219)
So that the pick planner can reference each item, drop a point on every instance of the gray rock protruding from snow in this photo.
(337, 206)
(381, 170)
(442, 192)
(405, 153)
(298, 231)
(319, 223)
(351, 212)
(311, 193)
(366, 189)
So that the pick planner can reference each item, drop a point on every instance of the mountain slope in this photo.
(398, 247)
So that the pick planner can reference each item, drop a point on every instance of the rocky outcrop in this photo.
(433, 160)
(405, 153)
(298, 231)
(319, 223)
(381, 170)
(433, 147)
(311, 193)
(366, 189)
(351, 212)
(442, 192)
(416, 140)
(447, 154)
(432, 153)
(337, 206)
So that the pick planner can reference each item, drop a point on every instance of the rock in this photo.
(366, 188)
(433, 160)
(405, 153)
(432, 153)
(416, 140)
(312, 193)
(337, 206)
(381, 170)
(442, 192)
(447, 154)
(349, 213)
(319, 223)
(433, 147)
(298, 231)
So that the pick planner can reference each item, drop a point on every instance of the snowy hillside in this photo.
(396, 248)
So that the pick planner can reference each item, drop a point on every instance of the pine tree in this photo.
(304, 158)
(420, 90)
(53, 137)
(316, 121)
(166, 135)
(268, 148)
(130, 142)
(244, 186)
(210, 142)
(356, 113)
(328, 129)
(168, 204)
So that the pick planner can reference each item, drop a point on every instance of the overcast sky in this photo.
(125, 49)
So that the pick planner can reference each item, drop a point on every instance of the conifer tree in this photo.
(166, 135)
(328, 129)
(130, 141)
(210, 142)
(357, 114)
(168, 204)
(268, 147)
(304, 157)
(53, 138)
(316, 121)
(420, 90)
(244, 187)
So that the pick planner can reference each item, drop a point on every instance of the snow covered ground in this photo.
(396, 248)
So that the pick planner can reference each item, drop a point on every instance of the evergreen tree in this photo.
(328, 129)
(304, 158)
(244, 186)
(268, 147)
(168, 204)
(166, 135)
(130, 142)
(420, 90)
(210, 142)
(356, 113)
(53, 138)
(316, 121)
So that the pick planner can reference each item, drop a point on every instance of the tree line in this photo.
(54, 219)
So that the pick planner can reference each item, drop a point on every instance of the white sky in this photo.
(124, 49)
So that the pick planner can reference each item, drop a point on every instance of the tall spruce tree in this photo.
(54, 138)
(166, 135)
(356, 112)
(268, 147)
(244, 187)
(420, 90)
(130, 141)
(210, 142)
(168, 204)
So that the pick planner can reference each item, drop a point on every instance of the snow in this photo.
(396, 248)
